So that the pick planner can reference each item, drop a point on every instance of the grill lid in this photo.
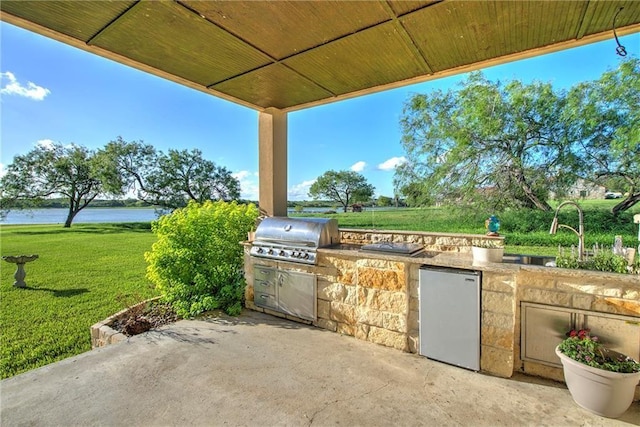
(301, 232)
(294, 239)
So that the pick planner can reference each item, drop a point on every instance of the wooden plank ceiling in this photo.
(295, 54)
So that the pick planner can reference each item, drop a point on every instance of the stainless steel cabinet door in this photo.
(543, 328)
(297, 294)
(621, 334)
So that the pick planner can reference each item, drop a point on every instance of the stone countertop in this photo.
(464, 261)
(436, 259)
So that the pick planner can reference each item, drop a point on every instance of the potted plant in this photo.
(489, 249)
(600, 380)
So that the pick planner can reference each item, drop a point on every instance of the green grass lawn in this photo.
(84, 274)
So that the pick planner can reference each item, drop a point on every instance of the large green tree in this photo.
(606, 116)
(506, 144)
(512, 144)
(168, 180)
(128, 163)
(70, 171)
(343, 187)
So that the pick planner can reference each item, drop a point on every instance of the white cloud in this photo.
(300, 191)
(11, 86)
(391, 163)
(358, 166)
(241, 175)
(47, 144)
(248, 184)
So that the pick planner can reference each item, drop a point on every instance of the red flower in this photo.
(582, 333)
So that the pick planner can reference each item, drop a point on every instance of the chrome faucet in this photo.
(579, 232)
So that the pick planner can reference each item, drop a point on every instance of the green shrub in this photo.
(525, 221)
(197, 260)
(596, 220)
(602, 260)
(528, 227)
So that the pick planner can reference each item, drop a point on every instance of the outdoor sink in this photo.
(542, 260)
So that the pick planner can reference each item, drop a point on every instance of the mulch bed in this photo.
(139, 319)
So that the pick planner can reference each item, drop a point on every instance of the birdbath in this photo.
(20, 260)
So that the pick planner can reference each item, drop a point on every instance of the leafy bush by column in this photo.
(197, 260)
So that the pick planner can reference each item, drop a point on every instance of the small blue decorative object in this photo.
(493, 225)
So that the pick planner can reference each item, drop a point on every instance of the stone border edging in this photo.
(103, 334)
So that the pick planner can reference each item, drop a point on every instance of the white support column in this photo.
(272, 162)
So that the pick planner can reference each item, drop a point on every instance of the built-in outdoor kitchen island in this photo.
(524, 310)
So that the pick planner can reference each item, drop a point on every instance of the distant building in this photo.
(583, 189)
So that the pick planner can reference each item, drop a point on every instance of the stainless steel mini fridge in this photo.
(450, 316)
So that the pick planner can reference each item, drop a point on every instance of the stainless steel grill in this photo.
(294, 239)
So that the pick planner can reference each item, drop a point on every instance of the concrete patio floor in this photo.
(261, 370)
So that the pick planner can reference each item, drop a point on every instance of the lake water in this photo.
(105, 215)
(88, 215)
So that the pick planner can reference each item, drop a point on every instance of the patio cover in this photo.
(295, 54)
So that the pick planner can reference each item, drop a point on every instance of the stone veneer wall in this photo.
(498, 324)
(365, 298)
(437, 242)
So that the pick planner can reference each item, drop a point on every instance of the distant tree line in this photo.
(513, 144)
(79, 175)
(59, 203)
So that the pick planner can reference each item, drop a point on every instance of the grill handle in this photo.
(285, 243)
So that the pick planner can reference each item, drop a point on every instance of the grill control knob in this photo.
(270, 252)
(260, 250)
(281, 253)
(306, 256)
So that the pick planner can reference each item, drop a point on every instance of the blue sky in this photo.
(53, 92)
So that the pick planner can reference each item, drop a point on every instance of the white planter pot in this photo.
(604, 393)
(483, 255)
